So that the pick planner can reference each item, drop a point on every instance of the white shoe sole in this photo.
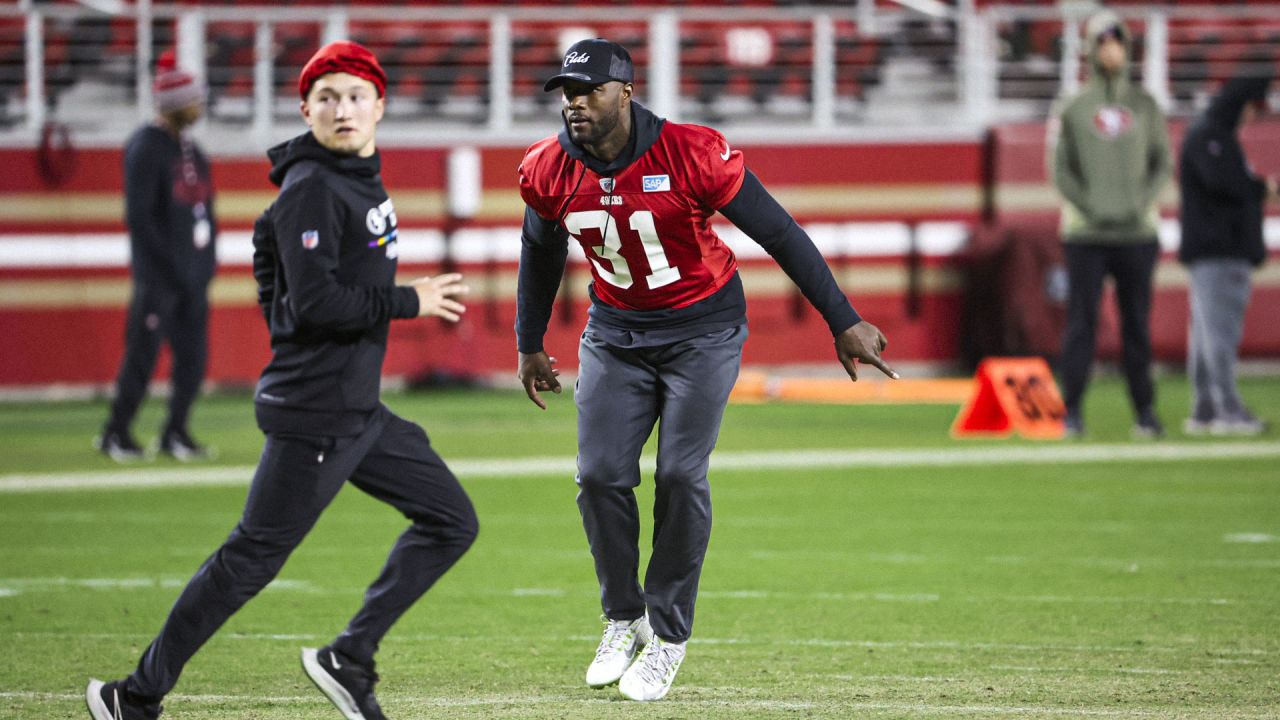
(637, 695)
(605, 682)
(337, 694)
(93, 698)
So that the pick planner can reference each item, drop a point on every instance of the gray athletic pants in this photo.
(620, 394)
(1219, 296)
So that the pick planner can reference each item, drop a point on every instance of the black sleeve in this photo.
(544, 246)
(314, 295)
(146, 184)
(1217, 160)
(759, 215)
(265, 265)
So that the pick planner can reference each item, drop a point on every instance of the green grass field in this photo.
(886, 572)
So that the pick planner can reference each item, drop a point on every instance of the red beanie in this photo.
(173, 88)
(342, 56)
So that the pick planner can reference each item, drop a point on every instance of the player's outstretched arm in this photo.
(538, 372)
(862, 341)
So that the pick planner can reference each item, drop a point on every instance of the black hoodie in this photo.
(1222, 198)
(325, 261)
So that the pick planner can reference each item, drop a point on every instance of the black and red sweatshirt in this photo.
(325, 262)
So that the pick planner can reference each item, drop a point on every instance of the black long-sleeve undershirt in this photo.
(544, 248)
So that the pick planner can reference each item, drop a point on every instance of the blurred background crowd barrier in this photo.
(908, 138)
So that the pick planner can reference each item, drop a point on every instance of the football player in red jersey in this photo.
(663, 339)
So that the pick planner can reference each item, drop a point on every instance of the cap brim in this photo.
(588, 78)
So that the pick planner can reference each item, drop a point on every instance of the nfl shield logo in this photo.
(310, 239)
(606, 184)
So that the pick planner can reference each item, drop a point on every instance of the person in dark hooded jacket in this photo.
(1222, 207)
(325, 261)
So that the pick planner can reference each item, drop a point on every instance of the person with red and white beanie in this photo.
(173, 251)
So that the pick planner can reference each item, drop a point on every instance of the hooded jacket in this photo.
(169, 210)
(1109, 152)
(325, 262)
(1222, 198)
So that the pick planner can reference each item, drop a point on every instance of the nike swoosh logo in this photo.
(725, 154)
(333, 658)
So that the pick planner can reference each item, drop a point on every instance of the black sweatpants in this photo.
(159, 314)
(1131, 267)
(297, 477)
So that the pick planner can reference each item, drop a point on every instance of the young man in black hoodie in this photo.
(325, 261)
(664, 338)
(1222, 204)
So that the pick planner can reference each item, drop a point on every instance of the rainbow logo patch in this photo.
(389, 237)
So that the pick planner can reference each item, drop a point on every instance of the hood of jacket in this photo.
(1094, 27)
(306, 147)
(645, 127)
(1227, 106)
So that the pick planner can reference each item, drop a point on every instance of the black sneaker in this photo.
(119, 446)
(109, 701)
(1073, 425)
(180, 446)
(1148, 426)
(348, 684)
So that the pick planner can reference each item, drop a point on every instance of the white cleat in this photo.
(651, 675)
(621, 640)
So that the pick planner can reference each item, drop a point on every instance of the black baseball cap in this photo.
(594, 61)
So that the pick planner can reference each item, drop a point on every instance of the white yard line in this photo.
(673, 701)
(1232, 655)
(11, 586)
(1057, 454)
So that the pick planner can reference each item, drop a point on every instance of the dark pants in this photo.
(157, 315)
(298, 476)
(1131, 267)
(621, 393)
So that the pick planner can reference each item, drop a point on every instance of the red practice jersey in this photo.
(647, 231)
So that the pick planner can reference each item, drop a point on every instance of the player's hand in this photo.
(864, 342)
(436, 296)
(538, 372)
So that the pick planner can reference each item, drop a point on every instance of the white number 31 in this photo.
(641, 221)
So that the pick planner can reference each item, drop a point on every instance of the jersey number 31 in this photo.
(641, 221)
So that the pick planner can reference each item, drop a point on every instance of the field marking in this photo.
(10, 587)
(1249, 538)
(674, 700)
(13, 586)
(1238, 656)
(1064, 454)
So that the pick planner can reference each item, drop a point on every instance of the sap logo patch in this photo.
(657, 183)
(310, 239)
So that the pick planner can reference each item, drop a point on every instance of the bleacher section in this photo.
(743, 68)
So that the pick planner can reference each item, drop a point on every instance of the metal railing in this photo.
(797, 73)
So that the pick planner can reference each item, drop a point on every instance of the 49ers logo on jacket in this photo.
(380, 217)
(1112, 121)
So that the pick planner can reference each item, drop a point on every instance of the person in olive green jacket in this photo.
(1109, 150)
